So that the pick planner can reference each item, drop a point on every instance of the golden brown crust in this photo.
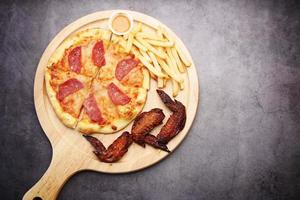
(66, 118)
(73, 40)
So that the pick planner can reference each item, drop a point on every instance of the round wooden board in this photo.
(71, 152)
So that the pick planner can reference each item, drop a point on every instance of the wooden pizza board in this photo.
(71, 152)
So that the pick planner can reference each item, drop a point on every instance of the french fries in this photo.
(115, 39)
(154, 61)
(135, 51)
(146, 80)
(144, 53)
(129, 42)
(153, 76)
(137, 28)
(165, 81)
(165, 33)
(126, 36)
(149, 36)
(177, 60)
(181, 85)
(150, 67)
(160, 83)
(175, 88)
(171, 61)
(159, 32)
(120, 40)
(139, 45)
(182, 56)
(168, 70)
(159, 53)
(151, 48)
(160, 43)
(180, 53)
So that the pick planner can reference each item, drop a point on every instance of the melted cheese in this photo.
(72, 103)
(68, 111)
(116, 116)
(86, 40)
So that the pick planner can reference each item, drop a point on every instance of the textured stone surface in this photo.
(245, 141)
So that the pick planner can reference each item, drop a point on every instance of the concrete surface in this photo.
(245, 141)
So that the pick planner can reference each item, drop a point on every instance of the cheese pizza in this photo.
(94, 86)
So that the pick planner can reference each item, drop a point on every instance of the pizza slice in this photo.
(67, 91)
(121, 67)
(116, 96)
(110, 109)
(84, 53)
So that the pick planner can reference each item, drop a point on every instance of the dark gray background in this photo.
(245, 140)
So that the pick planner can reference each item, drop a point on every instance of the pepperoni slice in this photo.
(116, 95)
(98, 54)
(68, 87)
(92, 110)
(74, 59)
(124, 67)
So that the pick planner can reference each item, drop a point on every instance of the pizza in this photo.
(93, 85)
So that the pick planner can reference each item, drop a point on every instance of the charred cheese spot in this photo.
(113, 127)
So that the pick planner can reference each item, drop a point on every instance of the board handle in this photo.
(65, 162)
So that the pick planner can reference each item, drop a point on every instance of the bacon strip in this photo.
(68, 87)
(74, 59)
(98, 54)
(124, 67)
(92, 110)
(116, 95)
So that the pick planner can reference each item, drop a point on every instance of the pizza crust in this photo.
(96, 33)
(86, 126)
(66, 118)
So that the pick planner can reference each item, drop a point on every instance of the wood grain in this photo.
(71, 153)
